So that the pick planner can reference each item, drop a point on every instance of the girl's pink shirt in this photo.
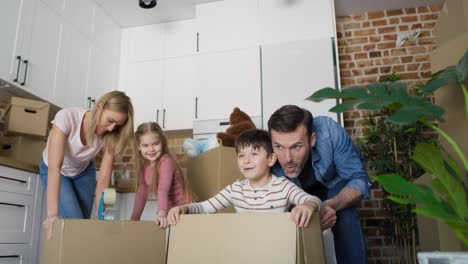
(170, 191)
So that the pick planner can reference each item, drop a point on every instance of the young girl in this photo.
(67, 168)
(157, 171)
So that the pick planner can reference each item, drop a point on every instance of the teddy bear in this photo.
(238, 122)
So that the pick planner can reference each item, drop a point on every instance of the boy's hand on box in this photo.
(301, 214)
(173, 216)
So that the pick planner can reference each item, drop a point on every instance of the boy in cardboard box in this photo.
(260, 191)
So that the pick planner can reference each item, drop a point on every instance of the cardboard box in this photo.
(212, 171)
(245, 238)
(22, 148)
(27, 116)
(452, 22)
(104, 242)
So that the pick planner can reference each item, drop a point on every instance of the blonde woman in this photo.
(157, 172)
(67, 167)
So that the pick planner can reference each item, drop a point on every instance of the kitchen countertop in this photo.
(21, 165)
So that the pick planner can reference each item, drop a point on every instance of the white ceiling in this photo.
(127, 13)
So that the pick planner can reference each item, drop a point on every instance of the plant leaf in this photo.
(447, 76)
(431, 159)
(462, 68)
(324, 93)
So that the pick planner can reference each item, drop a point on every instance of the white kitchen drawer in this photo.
(14, 253)
(17, 181)
(16, 214)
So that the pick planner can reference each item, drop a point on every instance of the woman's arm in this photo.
(56, 152)
(105, 172)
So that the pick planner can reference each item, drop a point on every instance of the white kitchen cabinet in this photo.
(106, 34)
(103, 71)
(286, 21)
(154, 42)
(45, 50)
(145, 90)
(15, 25)
(293, 71)
(16, 211)
(15, 254)
(162, 92)
(178, 86)
(226, 25)
(145, 43)
(80, 13)
(21, 196)
(73, 68)
(224, 80)
(179, 38)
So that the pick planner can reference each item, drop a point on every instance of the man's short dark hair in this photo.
(289, 117)
(255, 138)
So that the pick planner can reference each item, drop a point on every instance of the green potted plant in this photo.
(446, 198)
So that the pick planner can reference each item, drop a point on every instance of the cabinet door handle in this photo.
(196, 107)
(164, 118)
(10, 256)
(26, 62)
(198, 41)
(18, 70)
(12, 204)
(89, 102)
(93, 102)
(11, 179)
(157, 116)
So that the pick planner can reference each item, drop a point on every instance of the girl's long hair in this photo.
(139, 161)
(117, 140)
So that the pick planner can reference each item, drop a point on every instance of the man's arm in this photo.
(345, 198)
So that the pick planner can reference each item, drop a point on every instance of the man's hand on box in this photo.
(327, 216)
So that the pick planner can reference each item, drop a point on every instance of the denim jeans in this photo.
(349, 240)
(76, 192)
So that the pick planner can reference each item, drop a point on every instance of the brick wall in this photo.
(367, 50)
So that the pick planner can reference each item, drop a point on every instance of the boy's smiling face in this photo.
(255, 163)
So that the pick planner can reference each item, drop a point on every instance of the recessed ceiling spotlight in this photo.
(147, 3)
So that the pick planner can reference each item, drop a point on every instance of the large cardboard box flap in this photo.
(104, 242)
(27, 116)
(244, 238)
(452, 21)
(213, 170)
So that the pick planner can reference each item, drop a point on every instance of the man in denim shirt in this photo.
(318, 155)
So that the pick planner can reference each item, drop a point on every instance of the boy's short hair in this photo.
(255, 138)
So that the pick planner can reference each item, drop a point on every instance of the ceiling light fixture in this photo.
(147, 3)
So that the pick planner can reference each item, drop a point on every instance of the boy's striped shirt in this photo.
(277, 196)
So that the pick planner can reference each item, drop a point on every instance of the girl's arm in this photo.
(56, 152)
(167, 170)
(105, 173)
(140, 199)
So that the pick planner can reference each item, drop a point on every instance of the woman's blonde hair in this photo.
(139, 161)
(117, 140)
